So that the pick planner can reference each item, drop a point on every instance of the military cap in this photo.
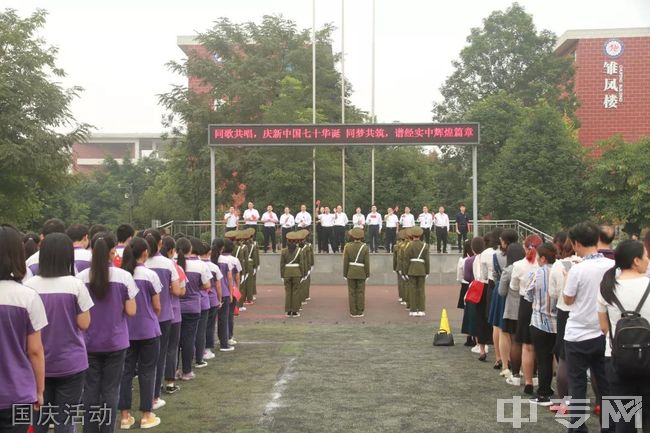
(403, 234)
(232, 234)
(356, 233)
(304, 233)
(416, 231)
(250, 232)
(293, 236)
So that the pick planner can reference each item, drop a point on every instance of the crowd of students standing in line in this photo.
(84, 311)
(551, 307)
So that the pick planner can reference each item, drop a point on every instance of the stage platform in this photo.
(329, 269)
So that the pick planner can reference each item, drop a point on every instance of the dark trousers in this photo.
(391, 234)
(580, 356)
(441, 238)
(171, 363)
(544, 342)
(320, 236)
(269, 233)
(285, 230)
(426, 235)
(102, 389)
(143, 356)
(251, 226)
(328, 238)
(231, 320)
(222, 322)
(199, 342)
(373, 235)
(7, 422)
(165, 328)
(623, 386)
(462, 237)
(62, 393)
(189, 325)
(210, 329)
(339, 238)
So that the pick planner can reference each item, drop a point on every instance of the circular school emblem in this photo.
(613, 48)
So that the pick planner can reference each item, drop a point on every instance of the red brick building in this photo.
(612, 81)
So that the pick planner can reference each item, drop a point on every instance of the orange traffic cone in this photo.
(444, 336)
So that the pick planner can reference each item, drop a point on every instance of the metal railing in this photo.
(201, 229)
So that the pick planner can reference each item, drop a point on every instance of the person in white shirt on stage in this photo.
(426, 221)
(374, 222)
(407, 220)
(340, 221)
(303, 218)
(391, 221)
(231, 219)
(441, 221)
(327, 229)
(269, 219)
(251, 217)
(358, 219)
(287, 223)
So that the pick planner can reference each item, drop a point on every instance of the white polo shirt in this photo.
(358, 220)
(374, 219)
(441, 220)
(391, 221)
(251, 216)
(406, 220)
(287, 221)
(270, 219)
(340, 219)
(425, 220)
(326, 219)
(303, 219)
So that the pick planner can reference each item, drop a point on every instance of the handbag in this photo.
(474, 292)
(443, 339)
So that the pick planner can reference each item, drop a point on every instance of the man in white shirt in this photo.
(251, 217)
(374, 228)
(441, 221)
(231, 219)
(303, 218)
(358, 220)
(584, 342)
(407, 220)
(426, 221)
(391, 221)
(340, 221)
(327, 229)
(269, 219)
(287, 224)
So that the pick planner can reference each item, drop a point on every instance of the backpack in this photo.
(631, 341)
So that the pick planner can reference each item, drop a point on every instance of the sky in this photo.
(116, 50)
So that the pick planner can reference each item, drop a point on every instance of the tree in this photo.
(540, 173)
(507, 54)
(619, 182)
(34, 157)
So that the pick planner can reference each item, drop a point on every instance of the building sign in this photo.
(613, 75)
(391, 134)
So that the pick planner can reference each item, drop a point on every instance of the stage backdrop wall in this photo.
(329, 269)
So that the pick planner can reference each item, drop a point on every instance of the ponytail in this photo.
(183, 248)
(168, 244)
(531, 243)
(132, 253)
(608, 284)
(217, 246)
(625, 254)
(152, 236)
(102, 244)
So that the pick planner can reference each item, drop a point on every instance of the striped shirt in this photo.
(544, 315)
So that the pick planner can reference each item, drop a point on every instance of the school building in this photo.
(90, 155)
(611, 81)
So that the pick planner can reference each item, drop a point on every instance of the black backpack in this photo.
(631, 341)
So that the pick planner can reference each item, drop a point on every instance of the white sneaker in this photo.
(227, 349)
(158, 404)
(477, 349)
(403, 303)
(232, 342)
(506, 373)
(399, 299)
(307, 299)
(422, 313)
(514, 380)
(412, 314)
(242, 308)
(208, 354)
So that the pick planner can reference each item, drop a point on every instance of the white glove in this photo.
(255, 271)
(345, 278)
(427, 276)
(366, 279)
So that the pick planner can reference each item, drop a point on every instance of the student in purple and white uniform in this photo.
(113, 292)
(234, 266)
(215, 296)
(199, 248)
(144, 336)
(67, 304)
(82, 255)
(53, 225)
(22, 359)
(198, 279)
(31, 242)
(169, 279)
(124, 234)
(226, 295)
(168, 250)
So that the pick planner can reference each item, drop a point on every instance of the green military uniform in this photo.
(291, 271)
(241, 252)
(416, 261)
(356, 269)
(398, 267)
(308, 254)
(254, 262)
(310, 258)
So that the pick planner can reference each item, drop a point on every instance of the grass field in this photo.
(323, 377)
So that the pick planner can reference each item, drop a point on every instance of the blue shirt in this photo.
(544, 315)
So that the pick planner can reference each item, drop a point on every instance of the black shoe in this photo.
(483, 357)
(469, 342)
(542, 401)
(498, 365)
(171, 389)
(528, 389)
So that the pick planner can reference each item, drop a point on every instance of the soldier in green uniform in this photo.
(241, 252)
(291, 271)
(416, 261)
(397, 265)
(254, 264)
(356, 269)
(406, 282)
(308, 254)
